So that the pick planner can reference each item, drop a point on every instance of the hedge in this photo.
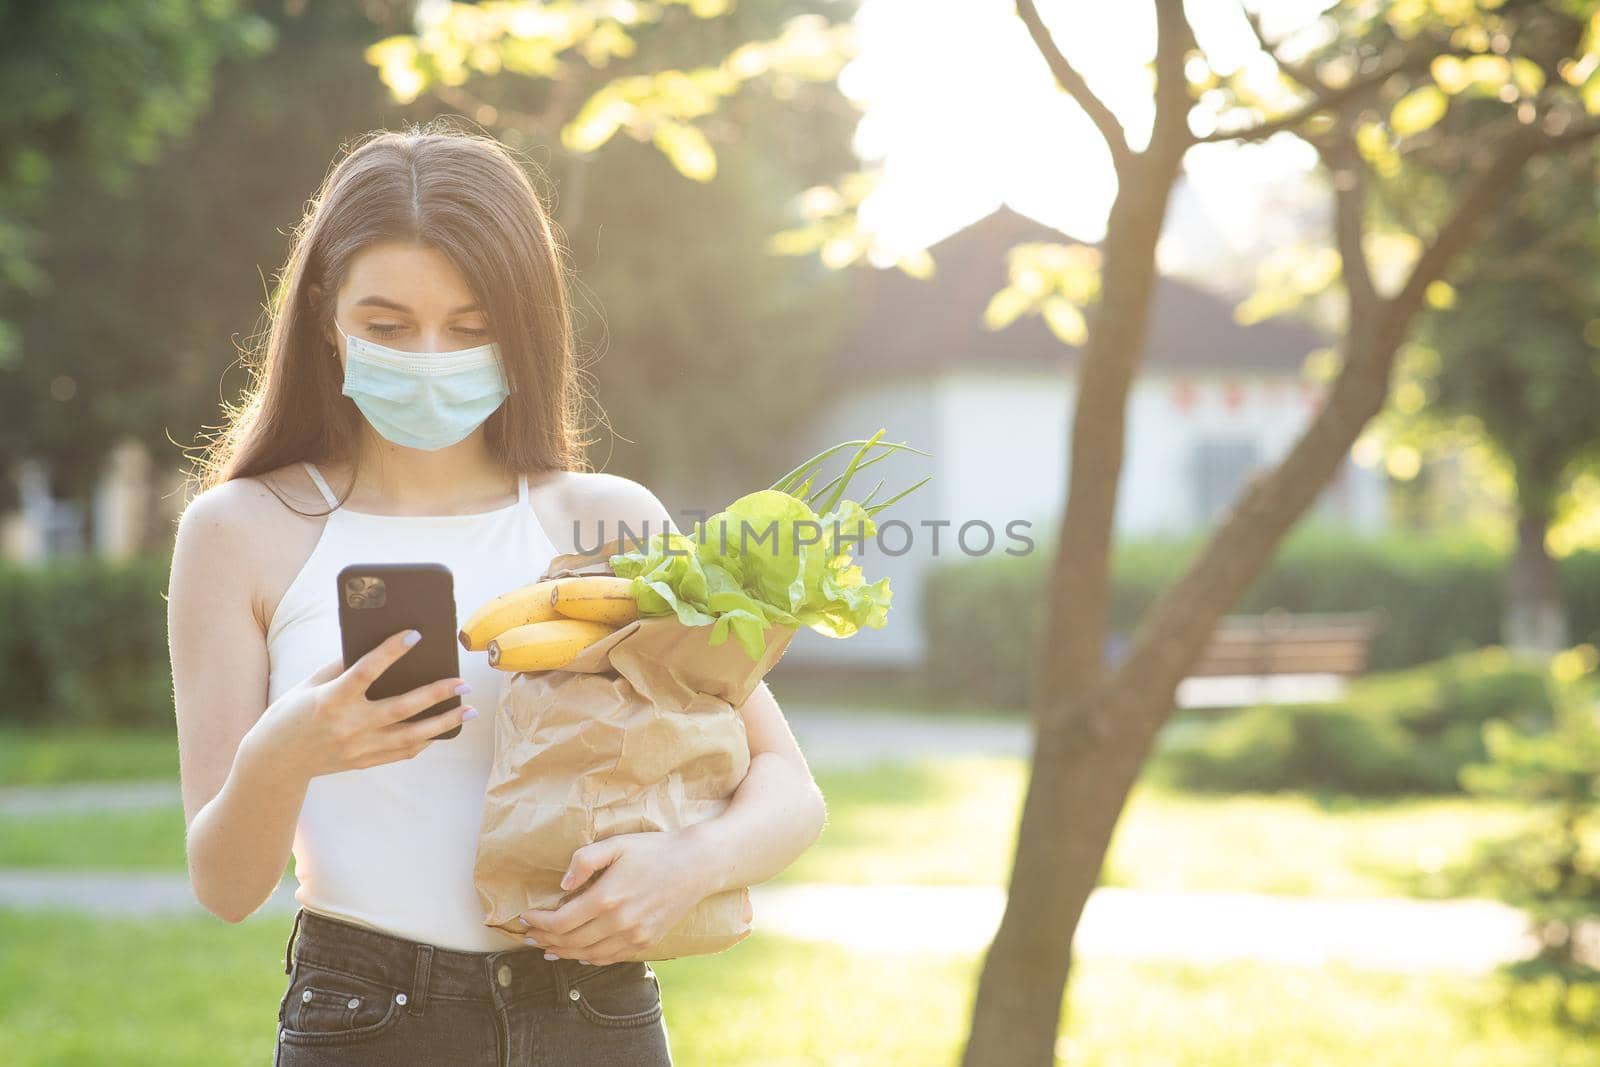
(1442, 595)
(1407, 731)
(83, 641)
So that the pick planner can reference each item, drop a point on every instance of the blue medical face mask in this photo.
(427, 400)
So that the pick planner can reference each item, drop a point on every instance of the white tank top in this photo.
(392, 846)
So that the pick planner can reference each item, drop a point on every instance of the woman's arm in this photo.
(240, 808)
(652, 879)
(776, 813)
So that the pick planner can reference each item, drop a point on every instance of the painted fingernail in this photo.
(531, 941)
(413, 636)
(586, 963)
(551, 956)
(470, 713)
(463, 688)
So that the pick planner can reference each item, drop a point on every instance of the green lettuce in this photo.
(767, 560)
(770, 559)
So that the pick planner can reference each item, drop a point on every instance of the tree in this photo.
(96, 89)
(1510, 352)
(690, 297)
(157, 284)
(1551, 867)
(1363, 101)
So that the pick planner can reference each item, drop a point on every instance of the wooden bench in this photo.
(1279, 657)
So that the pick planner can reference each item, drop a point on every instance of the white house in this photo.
(1214, 402)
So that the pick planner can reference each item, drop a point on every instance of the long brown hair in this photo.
(466, 195)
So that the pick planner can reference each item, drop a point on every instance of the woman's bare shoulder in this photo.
(250, 504)
(592, 504)
(250, 528)
(595, 495)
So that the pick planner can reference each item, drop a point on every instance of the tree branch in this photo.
(1489, 188)
(1174, 41)
(1305, 75)
(1414, 59)
(1071, 81)
(1322, 100)
(1347, 171)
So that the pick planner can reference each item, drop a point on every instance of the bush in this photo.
(980, 620)
(1404, 732)
(1442, 595)
(83, 641)
(1551, 868)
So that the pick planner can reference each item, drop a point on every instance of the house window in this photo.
(1220, 467)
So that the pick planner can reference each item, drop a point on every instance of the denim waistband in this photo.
(426, 970)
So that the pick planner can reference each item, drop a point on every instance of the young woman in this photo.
(418, 378)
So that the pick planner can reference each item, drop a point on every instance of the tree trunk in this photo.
(1074, 780)
(1093, 732)
(1088, 751)
(1535, 619)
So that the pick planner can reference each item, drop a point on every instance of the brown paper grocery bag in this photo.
(640, 732)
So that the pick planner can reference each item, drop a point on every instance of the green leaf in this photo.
(687, 149)
(1004, 308)
(1418, 110)
(596, 121)
(1528, 75)
(1591, 93)
(1065, 320)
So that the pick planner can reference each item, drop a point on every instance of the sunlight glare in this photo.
(963, 114)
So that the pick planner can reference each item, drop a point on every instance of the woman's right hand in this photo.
(325, 723)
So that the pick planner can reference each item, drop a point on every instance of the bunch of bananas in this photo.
(543, 626)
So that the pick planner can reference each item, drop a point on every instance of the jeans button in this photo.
(572, 994)
(503, 975)
(400, 998)
(355, 1002)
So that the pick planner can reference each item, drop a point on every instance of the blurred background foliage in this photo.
(136, 279)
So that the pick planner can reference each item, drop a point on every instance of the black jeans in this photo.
(361, 996)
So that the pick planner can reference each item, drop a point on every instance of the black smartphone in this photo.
(376, 600)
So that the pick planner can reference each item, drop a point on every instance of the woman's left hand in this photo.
(646, 883)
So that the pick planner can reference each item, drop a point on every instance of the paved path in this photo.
(128, 894)
(96, 796)
(833, 738)
(1375, 933)
(1383, 934)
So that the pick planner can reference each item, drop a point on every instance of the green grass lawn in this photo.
(51, 757)
(954, 822)
(83, 990)
(199, 991)
(143, 839)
